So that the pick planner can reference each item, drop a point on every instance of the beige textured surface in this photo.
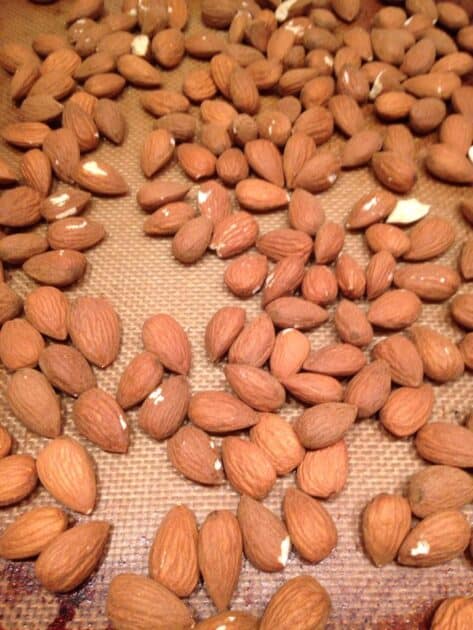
(140, 277)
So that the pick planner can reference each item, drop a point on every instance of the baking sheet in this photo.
(139, 275)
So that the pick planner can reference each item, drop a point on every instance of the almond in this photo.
(221, 68)
(385, 523)
(138, 71)
(259, 195)
(325, 424)
(347, 114)
(466, 259)
(220, 412)
(350, 277)
(46, 308)
(20, 207)
(220, 550)
(64, 203)
(32, 532)
(192, 452)
(168, 219)
(66, 470)
(192, 239)
(265, 159)
(94, 327)
(72, 556)
(162, 102)
(295, 312)
(466, 349)
(453, 610)
(105, 85)
(243, 91)
(168, 47)
(431, 346)
(158, 193)
(370, 388)
(420, 58)
(435, 540)
(66, 369)
(371, 208)
(328, 242)
(430, 281)
(134, 599)
(407, 410)
(305, 212)
(399, 138)
(437, 488)
(101, 420)
(395, 309)
(352, 324)
(222, 329)
(157, 150)
(55, 83)
(301, 603)
(403, 359)
(319, 172)
(141, 376)
(445, 443)
(234, 234)
(254, 344)
(58, 268)
(20, 344)
(165, 408)
(99, 178)
(299, 148)
(246, 275)
(379, 274)
(18, 478)
(214, 201)
(62, 148)
(457, 131)
(75, 233)
(198, 85)
(323, 473)
(276, 438)
(247, 467)
(266, 542)
(290, 350)
(175, 539)
(164, 336)
(285, 277)
(7, 175)
(35, 169)
(320, 285)
(338, 359)
(82, 125)
(110, 121)
(273, 125)
(285, 242)
(5, 442)
(448, 164)
(394, 171)
(461, 309)
(34, 403)
(382, 236)
(429, 238)
(360, 148)
(313, 389)
(310, 526)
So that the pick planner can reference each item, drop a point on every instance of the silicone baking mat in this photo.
(140, 277)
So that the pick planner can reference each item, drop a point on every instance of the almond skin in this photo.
(385, 523)
(255, 386)
(445, 443)
(32, 532)
(95, 329)
(220, 551)
(66, 369)
(310, 526)
(191, 451)
(324, 424)
(220, 412)
(248, 469)
(165, 337)
(163, 412)
(222, 330)
(18, 478)
(435, 540)
(34, 402)
(101, 420)
(300, 603)
(323, 473)
(407, 410)
(437, 488)
(403, 359)
(440, 356)
(266, 542)
(370, 388)
(141, 376)
(66, 470)
(276, 437)
(134, 601)
(173, 558)
(46, 308)
(72, 556)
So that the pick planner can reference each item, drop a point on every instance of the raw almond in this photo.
(62, 148)
(284, 279)
(403, 359)
(254, 344)
(323, 473)
(456, 610)
(266, 542)
(448, 164)
(110, 121)
(352, 324)
(196, 161)
(46, 308)
(277, 439)
(32, 532)
(435, 540)
(325, 424)
(461, 309)
(290, 350)
(246, 275)
(295, 312)
(328, 242)
(369, 389)
(347, 114)
(429, 281)
(192, 239)
(95, 330)
(58, 268)
(385, 523)
(320, 285)
(134, 599)
(64, 203)
(5, 442)
(259, 195)
(175, 539)
(141, 376)
(284, 242)
(234, 234)
(165, 408)
(220, 412)
(247, 467)
(407, 410)
(440, 356)
(165, 337)
(312, 388)
(395, 309)
(305, 212)
(371, 208)
(350, 277)
(99, 178)
(379, 273)
(20, 207)
(72, 556)
(220, 554)
(75, 233)
(338, 359)
(20, 344)
(445, 443)
(157, 193)
(265, 159)
(35, 168)
(66, 470)
(214, 201)
(82, 125)
(66, 369)
(168, 219)
(18, 478)
(382, 236)
(437, 488)
(191, 451)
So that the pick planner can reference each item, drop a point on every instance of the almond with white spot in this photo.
(165, 408)
(192, 452)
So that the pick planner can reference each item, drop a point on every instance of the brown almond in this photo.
(192, 239)
(328, 242)
(276, 437)
(385, 522)
(247, 467)
(395, 309)
(101, 420)
(371, 208)
(407, 410)
(437, 488)
(325, 424)
(323, 473)
(352, 325)
(165, 337)
(382, 236)
(379, 273)
(46, 309)
(429, 281)
(295, 312)
(66, 369)
(259, 195)
(337, 359)
(369, 389)
(255, 342)
(141, 376)
(440, 356)
(246, 275)
(192, 452)
(18, 478)
(313, 388)
(165, 408)
(403, 359)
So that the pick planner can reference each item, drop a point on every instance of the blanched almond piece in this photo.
(192, 452)
(276, 437)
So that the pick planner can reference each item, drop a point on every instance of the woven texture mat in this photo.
(140, 277)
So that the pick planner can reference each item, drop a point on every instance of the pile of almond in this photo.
(275, 82)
